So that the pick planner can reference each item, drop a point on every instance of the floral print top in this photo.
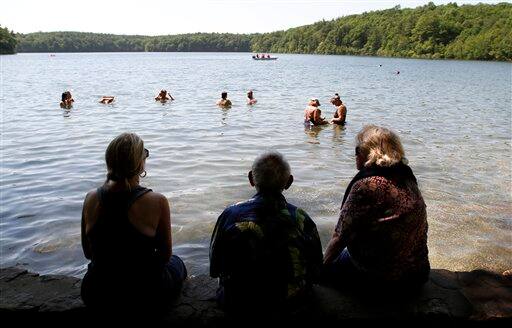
(384, 221)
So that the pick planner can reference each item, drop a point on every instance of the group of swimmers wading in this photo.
(67, 100)
(312, 113)
(224, 102)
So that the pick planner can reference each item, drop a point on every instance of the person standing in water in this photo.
(66, 100)
(250, 98)
(224, 101)
(312, 114)
(341, 111)
(163, 96)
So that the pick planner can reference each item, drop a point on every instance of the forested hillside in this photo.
(448, 31)
(7, 41)
(89, 42)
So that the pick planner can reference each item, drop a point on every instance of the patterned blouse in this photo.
(385, 224)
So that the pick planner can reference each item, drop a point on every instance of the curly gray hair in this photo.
(270, 172)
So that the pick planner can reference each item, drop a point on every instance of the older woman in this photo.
(312, 113)
(126, 233)
(381, 235)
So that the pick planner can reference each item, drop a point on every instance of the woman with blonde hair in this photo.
(312, 113)
(126, 234)
(381, 235)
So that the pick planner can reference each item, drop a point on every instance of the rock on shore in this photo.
(476, 296)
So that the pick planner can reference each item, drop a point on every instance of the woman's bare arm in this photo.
(163, 231)
(85, 213)
(335, 246)
(356, 209)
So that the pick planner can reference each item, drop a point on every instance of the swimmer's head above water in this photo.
(66, 100)
(314, 102)
(107, 99)
(336, 101)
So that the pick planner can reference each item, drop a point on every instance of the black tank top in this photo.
(125, 263)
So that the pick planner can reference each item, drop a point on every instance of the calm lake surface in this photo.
(454, 118)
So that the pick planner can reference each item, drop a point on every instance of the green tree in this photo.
(7, 41)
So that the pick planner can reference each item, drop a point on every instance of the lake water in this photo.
(454, 118)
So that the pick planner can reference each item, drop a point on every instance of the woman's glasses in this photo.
(146, 152)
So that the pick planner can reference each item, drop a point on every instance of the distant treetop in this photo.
(480, 31)
(7, 41)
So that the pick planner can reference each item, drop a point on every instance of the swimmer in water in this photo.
(66, 100)
(341, 111)
(312, 114)
(224, 101)
(107, 99)
(163, 96)
(250, 98)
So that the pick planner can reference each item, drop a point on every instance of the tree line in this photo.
(482, 32)
(7, 41)
(450, 31)
(95, 42)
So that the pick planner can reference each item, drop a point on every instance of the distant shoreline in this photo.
(466, 32)
(249, 53)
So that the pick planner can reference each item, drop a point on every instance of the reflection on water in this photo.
(338, 133)
(224, 116)
(455, 126)
(313, 132)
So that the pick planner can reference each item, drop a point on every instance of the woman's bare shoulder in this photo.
(91, 197)
(154, 198)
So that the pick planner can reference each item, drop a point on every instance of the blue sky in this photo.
(157, 17)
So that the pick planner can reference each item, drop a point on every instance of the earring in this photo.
(143, 174)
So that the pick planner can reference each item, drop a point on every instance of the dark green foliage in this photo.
(204, 42)
(449, 31)
(93, 42)
(7, 41)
